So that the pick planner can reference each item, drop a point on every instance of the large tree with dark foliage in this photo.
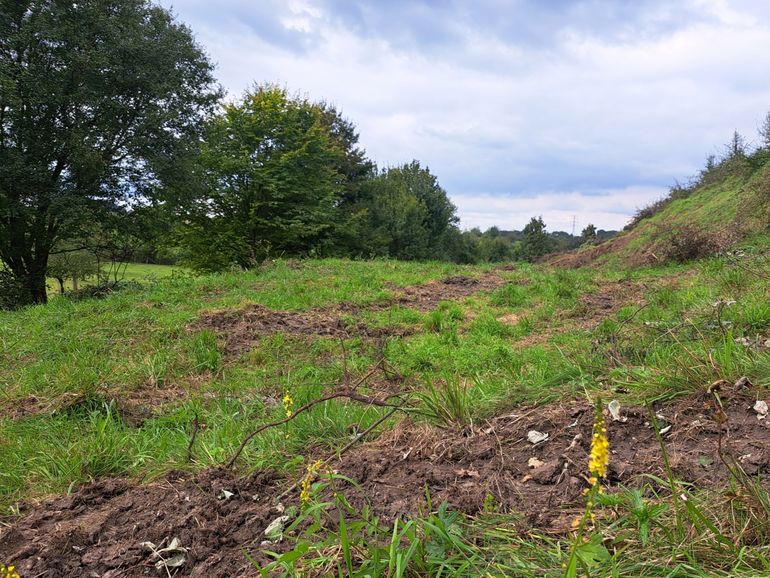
(95, 98)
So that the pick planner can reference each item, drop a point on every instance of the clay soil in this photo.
(99, 528)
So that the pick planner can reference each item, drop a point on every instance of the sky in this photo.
(581, 111)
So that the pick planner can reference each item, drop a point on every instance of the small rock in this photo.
(743, 382)
(274, 531)
(614, 409)
(761, 408)
(533, 462)
(536, 437)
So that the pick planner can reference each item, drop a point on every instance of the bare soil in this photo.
(98, 530)
(242, 329)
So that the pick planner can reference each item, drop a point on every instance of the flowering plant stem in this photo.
(572, 563)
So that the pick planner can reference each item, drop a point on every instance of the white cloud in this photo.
(493, 116)
(610, 209)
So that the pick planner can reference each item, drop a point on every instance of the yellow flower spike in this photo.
(600, 451)
(8, 571)
(288, 403)
(598, 462)
(307, 481)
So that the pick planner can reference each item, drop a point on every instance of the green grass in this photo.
(86, 367)
(138, 272)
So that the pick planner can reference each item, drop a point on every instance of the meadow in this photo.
(420, 462)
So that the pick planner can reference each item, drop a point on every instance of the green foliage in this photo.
(536, 241)
(444, 317)
(204, 351)
(447, 403)
(270, 176)
(509, 295)
(98, 97)
(402, 212)
(13, 293)
(72, 265)
(589, 234)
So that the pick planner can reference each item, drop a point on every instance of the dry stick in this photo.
(355, 440)
(195, 427)
(345, 374)
(348, 393)
(749, 270)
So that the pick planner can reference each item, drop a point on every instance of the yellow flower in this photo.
(288, 403)
(307, 481)
(600, 450)
(8, 571)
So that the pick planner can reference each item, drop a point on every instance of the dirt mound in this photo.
(98, 530)
(242, 328)
(496, 459)
(609, 299)
(426, 297)
(586, 256)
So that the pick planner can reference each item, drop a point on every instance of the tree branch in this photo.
(348, 393)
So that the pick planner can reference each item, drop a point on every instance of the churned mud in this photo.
(99, 529)
(243, 328)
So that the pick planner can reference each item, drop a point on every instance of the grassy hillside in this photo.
(173, 377)
(726, 207)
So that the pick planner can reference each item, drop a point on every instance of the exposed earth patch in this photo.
(100, 528)
(242, 329)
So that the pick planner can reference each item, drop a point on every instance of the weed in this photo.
(509, 295)
(204, 352)
(446, 404)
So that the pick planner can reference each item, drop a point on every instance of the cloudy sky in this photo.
(584, 109)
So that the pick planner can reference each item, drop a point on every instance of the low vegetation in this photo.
(318, 373)
(158, 378)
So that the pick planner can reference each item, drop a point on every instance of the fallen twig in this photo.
(195, 428)
(349, 445)
(349, 393)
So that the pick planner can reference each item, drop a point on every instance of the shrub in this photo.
(687, 243)
(646, 212)
(13, 293)
(102, 289)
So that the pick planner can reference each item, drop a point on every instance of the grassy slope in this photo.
(733, 206)
(65, 363)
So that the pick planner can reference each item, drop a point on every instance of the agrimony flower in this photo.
(8, 571)
(288, 403)
(600, 450)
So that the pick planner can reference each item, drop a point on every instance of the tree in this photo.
(272, 170)
(73, 265)
(96, 99)
(589, 234)
(536, 242)
(764, 131)
(736, 149)
(402, 212)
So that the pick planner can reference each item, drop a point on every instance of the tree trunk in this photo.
(61, 285)
(74, 283)
(35, 283)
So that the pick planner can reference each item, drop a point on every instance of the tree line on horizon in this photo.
(116, 144)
